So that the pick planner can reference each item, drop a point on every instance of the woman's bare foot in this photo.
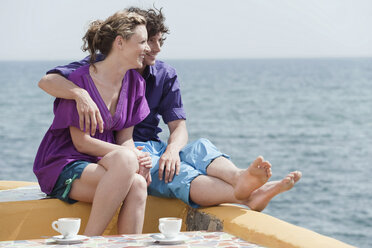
(259, 198)
(252, 178)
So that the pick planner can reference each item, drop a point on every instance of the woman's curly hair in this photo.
(101, 34)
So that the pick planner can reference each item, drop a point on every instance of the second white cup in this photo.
(170, 227)
(68, 227)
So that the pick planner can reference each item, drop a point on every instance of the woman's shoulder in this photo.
(134, 74)
(134, 77)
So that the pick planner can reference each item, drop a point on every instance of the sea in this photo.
(312, 115)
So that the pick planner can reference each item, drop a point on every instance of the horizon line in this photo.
(165, 59)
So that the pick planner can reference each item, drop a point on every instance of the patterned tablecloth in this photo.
(195, 239)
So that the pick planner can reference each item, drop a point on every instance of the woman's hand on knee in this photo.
(145, 172)
(144, 160)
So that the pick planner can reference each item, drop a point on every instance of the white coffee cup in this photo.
(68, 227)
(170, 227)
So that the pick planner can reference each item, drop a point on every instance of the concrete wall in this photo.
(32, 219)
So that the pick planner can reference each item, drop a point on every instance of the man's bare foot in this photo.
(289, 181)
(262, 196)
(252, 178)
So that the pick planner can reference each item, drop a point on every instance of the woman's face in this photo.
(135, 49)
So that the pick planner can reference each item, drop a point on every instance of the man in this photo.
(192, 173)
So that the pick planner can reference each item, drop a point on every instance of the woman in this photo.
(102, 169)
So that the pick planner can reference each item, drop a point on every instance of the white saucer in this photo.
(77, 239)
(160, 238)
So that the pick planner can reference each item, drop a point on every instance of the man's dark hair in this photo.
(154, 20)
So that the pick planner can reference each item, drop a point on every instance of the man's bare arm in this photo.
(58, 86)
(170, 160)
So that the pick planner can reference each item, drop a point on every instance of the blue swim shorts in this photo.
(195, 158)
(63, 185)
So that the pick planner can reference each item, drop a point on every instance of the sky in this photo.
(200, 29)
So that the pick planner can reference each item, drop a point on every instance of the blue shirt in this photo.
(162, 93)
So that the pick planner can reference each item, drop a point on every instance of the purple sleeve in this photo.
(140, 108)
(171, 107)
(66, 70)
(65, 114)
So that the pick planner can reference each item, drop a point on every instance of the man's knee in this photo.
(203, 141)
(199, 144)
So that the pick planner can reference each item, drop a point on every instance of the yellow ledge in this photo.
(32, 219)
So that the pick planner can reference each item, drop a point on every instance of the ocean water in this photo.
(312, 115)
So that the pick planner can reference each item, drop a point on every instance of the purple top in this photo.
(162, 93)
(57, 150)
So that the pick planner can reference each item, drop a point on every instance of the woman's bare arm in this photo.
(84, 143)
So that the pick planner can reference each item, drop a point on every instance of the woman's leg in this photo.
(132, 212)
(105, 189)
(83, 189)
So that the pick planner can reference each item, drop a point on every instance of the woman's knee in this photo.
(122, 160)
(139, 187)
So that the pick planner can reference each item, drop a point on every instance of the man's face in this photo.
(154, 43)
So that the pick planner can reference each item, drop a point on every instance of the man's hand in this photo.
(169, 164)
(88, 114)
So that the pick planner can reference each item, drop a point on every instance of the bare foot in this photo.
(252, 178)
(262, 196)
(289, 181)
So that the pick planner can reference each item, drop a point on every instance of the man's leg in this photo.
(203, 191)
(209, 191)
(179, 187)
(259, 199)
(205, 157)
(192, 187)
(245, 181)
(197, 189)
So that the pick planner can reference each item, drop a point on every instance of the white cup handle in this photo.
(54, 225)
(161, 227)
